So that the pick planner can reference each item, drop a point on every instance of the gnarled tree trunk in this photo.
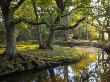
(11, 41)
(10, 31)
(8, 15)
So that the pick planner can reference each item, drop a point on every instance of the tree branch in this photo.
(34, 23)
(35, 9)
(69, 13)
(60, 5)
(28, 21)
(57, 19)
(93, 24)
(18, 5)
(69, 27)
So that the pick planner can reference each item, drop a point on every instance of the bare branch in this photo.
(35, 9)
(93, 24)
(28, 21)
(77, 9)
(69, 27)
(57, 19)
(34, 23)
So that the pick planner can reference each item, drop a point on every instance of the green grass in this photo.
(30, 57)
(57, 53)
(22, 46)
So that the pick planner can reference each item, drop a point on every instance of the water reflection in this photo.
(97, 71)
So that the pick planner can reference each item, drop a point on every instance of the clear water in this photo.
(96, 71)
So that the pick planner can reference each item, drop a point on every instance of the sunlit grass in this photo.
(57, 53)
(26, 47)
(22, 47)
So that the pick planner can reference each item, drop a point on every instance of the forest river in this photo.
(94, 68)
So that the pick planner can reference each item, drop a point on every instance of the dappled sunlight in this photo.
(22, 47)
(26, 47)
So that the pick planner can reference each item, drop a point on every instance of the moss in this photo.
(6, 66)
(20, 66)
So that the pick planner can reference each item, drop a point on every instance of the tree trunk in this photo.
(8, 15)
(10, 30)
(41, 46)
(108, 36)
(11, 42)
(66, 35)
(50, 39)
(102, 36)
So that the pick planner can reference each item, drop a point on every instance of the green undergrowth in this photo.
(33, 58)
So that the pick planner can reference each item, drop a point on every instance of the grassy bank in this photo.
(32, 58)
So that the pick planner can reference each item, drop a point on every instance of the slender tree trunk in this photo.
(11, 41)
(108, 36)
(66, 33)
(102, 36)
(41, 46)
(50, 39)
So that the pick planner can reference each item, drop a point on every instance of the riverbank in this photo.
(102, 45)
(106, 47)
(31, 58)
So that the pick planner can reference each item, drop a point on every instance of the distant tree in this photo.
(2, 33)
(101, 17)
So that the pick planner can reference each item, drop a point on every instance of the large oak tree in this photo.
(8, 8)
